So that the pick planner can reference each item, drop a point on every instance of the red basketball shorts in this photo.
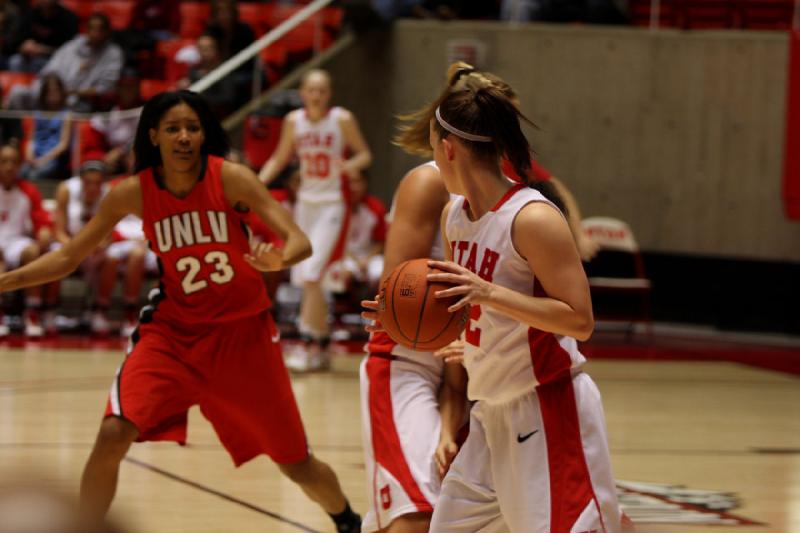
(234, 371)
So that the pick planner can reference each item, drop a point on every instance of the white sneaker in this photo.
(128, 328)
(100, 324)
(319, 360)
(4, 331)
(297, 360)
(33, 328)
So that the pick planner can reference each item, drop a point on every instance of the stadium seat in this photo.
(119, 12)
(253, 14)
(640, 12)
(261, 135)
(166, 50)
(194, 16)
(766, 14)
(8, 79)
(617, 278)
(148, 88)
(707, 14)
(82, 9)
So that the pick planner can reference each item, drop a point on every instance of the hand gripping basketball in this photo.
(409, 311)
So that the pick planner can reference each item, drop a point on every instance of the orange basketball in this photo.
(412, 315)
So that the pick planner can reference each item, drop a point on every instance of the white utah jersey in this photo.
(78, 212)
(320, 147)
(18, 207)
(504, 358)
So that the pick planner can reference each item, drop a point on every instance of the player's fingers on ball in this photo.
(369, 304)
(458, 305)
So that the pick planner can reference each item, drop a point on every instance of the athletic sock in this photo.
(348, 521)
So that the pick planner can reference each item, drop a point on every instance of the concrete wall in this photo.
(680, 134)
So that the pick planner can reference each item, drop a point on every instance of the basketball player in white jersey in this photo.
(77, 200)
(24, 234)
(318, 135)
(536, 459)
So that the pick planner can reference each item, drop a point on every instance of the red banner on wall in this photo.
(791, 157)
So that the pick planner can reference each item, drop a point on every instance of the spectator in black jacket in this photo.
(48, 26)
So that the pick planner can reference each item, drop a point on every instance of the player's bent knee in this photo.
(116, 435)
(30, 253)
(301, 472)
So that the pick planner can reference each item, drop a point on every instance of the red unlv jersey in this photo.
(200, 242)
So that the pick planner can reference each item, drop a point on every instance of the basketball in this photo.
(412, 315)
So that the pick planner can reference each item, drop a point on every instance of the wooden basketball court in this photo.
(723, 427)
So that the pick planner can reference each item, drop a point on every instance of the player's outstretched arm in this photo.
(120, 201)
(243, 188)
(362, 157)
(280, 157)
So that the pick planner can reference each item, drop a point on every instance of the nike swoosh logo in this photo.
(523, 438)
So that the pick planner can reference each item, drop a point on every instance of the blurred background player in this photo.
(25, 231)
(318, 135)
(77, 201)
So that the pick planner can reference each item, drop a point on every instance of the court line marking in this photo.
(220, 494)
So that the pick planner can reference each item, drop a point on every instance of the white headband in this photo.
(458, 132)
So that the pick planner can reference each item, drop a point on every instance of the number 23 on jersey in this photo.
(192, 282)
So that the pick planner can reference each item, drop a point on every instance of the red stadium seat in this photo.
(766, 14)
(166, 50)
(119, 12)
(149, 88)
(707, 14)
(261, 135)
(253, 14)
(8, 79)
(640, 11)
(194, 16)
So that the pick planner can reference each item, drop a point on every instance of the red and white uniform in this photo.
(321, 210)
(401, 427)
(367, 227)
(536, 459)
(207, 338)
(129, 236)
(21, 217)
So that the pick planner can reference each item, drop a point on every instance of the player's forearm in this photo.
(543, 313)
(46, 268)
(361, 160)
(270, 171)
(296, 248)
(452, 406)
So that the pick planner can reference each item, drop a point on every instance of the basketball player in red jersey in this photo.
(207, 337)
(319, 135)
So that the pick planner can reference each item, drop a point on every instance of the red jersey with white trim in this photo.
(200, 241)
(21, 211)
(504, 358)
(320, 147)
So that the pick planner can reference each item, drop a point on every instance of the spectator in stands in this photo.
(24, 232)
(220, 96)
(151, 21)
(47, 153)
(46, 28)
(77, 200)
(232, 36)
(110, 137)
(10, 31)
(89, 66)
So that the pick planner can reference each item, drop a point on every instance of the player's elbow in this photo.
(583, 327)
